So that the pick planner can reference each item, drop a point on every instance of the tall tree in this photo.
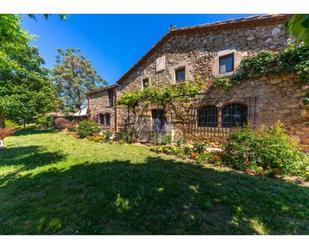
(25, 86)
(298, 26)
(73, 76)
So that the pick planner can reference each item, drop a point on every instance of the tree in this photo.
(74, 76)
(25, 86)
(298, 26)
(63, 17)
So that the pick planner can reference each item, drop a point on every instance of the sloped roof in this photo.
(101, 89)
(82, 112)
(260, 20)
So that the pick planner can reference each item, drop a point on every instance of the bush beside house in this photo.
(88, 128)
(266, 149)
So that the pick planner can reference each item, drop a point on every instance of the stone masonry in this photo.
(197, 49)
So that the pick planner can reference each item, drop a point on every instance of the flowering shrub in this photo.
(267, 148)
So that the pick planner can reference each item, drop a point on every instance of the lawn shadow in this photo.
(26, 158)
(155, 197)
(30, 131)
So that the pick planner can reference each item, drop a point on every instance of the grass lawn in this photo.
(51, 183)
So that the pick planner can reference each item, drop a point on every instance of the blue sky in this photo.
(111, 42)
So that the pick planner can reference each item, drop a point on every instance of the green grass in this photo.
(51, 183)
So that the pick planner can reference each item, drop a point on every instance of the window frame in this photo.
(244, 118)
(110, 94)
(223, 57)
(180, 69)
(104, 119)
(215, 115)
(107, 117)
(143, 81)
(101, 118)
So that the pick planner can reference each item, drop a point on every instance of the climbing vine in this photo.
(295, 59)
(161, 95)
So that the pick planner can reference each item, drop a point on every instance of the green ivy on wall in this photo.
(295, 59)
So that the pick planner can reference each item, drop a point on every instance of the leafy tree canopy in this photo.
(298, 26)
(25, 87)
(74, 76)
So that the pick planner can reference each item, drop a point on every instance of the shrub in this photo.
(62, 123)
(269, 148)
(181, 141)
(44, 121)
(108, 136)
(88, 128)
(11, 124)
(96, 138)
(200, 146)
(204, 158)
(161, 138)
(182, 152)
(126, 136)
(5, 132)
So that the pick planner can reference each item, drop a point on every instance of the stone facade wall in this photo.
(99, 104)
(274, 98)
(277, 97)
(198, 53)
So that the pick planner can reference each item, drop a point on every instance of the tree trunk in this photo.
(2, 120)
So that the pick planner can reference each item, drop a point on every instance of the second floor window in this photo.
(111, 97)
(180, 75)
(226, 63)
(145, 83)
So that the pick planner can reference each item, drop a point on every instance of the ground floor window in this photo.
(105, 119)
(207, 116)
(158, 119)
(234, 115)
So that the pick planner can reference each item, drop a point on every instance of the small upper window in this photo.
(111, 97)
(145, 83)
(180, 75)
(226, 63)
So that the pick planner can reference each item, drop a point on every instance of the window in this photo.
(158, 120)
(226, 63)
(111, 97)
(207, 116)
(101, 118)
(105, 119)
(180, 75)
(234, 115)
(145, 83)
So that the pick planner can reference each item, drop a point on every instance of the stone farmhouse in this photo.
(210, 50)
